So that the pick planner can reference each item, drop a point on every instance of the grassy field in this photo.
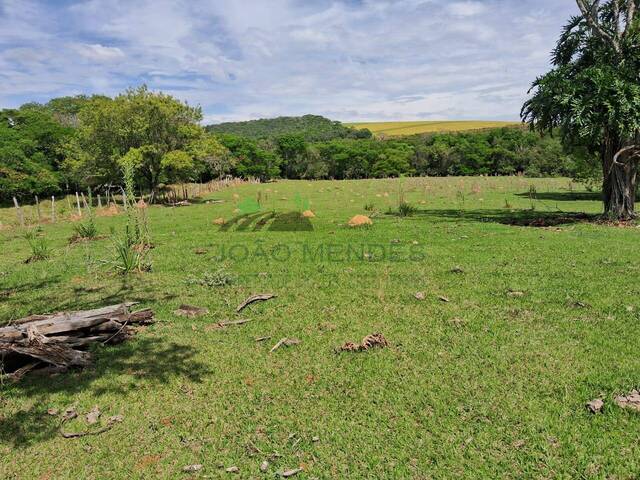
(489, 384)
(412, 128)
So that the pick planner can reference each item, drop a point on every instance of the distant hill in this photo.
(413, 128)
(314, 128)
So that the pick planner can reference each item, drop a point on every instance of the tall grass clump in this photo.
(39, 247)
(131, 246)
(86, 230)
(405, 209)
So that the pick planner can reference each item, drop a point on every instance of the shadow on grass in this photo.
(564, 196)
(146, 361)
(520, 218)
(273, 221)
(143, 361)
(56, 297)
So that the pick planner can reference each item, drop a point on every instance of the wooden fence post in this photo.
(53, 209)
(99, 201)
(38, 210)
(19, 212)
(84, 201)
(78, 204)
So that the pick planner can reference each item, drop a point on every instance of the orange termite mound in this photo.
(359, 221)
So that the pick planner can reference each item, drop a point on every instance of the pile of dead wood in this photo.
(61, 340)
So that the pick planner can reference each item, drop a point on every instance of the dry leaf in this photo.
(595, 406)
(292, 472)
(93, 416)
(192, 468)
(53, 412)
(442, 298)
(630, 401)
(69, 413)
(264, 466)
(233, 469)
(419, 295)
(370, 341)
(515, 293)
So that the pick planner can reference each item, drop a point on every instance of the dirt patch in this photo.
(111, 211)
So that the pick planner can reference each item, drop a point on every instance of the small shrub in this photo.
(369, 207)
(128, 257)
(406, 209)
(507, 205)
(219, 278)
(85, 230)
(39, 246)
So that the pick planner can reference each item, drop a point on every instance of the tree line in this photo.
(83, 142)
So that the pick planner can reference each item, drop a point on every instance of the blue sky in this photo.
(351, 60)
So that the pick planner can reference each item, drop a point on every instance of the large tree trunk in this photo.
(619, 186)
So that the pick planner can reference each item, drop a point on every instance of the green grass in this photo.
(486, 385)
(417, 127)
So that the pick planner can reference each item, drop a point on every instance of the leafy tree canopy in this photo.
(593, 94)
(312, 128)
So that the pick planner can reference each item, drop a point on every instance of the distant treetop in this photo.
(313, 128)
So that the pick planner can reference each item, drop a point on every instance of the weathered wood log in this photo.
(70, 322)
(59, 340)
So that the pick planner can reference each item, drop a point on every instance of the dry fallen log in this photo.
(59, 340)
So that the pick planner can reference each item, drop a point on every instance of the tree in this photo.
(178, 166)
(153, 123)
(393, 162)
(30, 140)
(252, 159)
(592, 95)
(212, 158)
(292, 148)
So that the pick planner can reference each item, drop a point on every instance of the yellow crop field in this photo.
(417, 127)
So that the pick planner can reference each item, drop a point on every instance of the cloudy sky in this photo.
(239, 59)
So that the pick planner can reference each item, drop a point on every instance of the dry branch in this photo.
(254, 298)
(59, 340)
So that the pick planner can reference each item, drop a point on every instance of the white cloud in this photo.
(348, 59)
(466, 9)
(99, 52)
